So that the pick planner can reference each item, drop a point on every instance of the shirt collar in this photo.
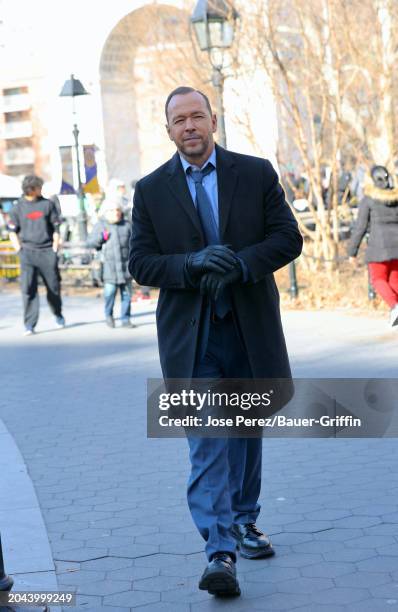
(212, 159)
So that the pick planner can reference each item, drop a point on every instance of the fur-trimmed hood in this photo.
(386, 196)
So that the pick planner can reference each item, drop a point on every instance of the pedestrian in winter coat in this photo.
(378, 215)
(111, 235)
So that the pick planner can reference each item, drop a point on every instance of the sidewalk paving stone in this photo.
(383, 529)
(371, 541)
(362, 579)
(132, 573)
(350, 555)
(163, 607)
(280, 601)
(160, 583)
(305, 585)
(379, 564)
(337, 534)
(327, 569)
(104, 587)
(273, 574)
(80, 577)
(374, 605)
(131, 599)
(389, 591)
(107, 564)
(320, 608)
(340, 595)
(296, 559)
(80, 554)
(133, 551)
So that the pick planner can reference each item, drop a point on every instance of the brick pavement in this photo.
(114, 502)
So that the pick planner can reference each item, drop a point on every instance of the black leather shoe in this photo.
(252, 543)
(219, 577)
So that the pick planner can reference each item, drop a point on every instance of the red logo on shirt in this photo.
(35, 214)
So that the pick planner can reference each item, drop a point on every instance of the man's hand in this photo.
(56, 241)
(352, 260)
(213, 283)
(16, 245)
(214, 258)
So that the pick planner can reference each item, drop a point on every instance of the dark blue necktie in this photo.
(203, 205)
(209, 227)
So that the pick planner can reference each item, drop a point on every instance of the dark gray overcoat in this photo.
(259, 225)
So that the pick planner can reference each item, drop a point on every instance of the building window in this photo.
(20, 170)
(16, 116)
(15, 91)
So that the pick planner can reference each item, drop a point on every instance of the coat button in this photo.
(193, 321)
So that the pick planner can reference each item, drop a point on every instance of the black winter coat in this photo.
(378, 214)
(260, 227)
(115, 250)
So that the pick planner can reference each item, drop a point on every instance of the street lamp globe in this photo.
(73, 87)
(214, 24)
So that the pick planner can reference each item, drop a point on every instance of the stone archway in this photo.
(141, 61)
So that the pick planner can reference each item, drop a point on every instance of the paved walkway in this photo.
(114, 502)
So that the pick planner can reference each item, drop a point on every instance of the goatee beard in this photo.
(197, 153)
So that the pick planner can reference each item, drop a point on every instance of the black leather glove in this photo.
(213, 283)
(214, 258)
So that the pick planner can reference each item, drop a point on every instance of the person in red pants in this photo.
(378, 215)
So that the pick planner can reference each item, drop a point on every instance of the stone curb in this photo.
(26, 549)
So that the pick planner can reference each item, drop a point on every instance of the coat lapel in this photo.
(227, 179)
(179, 187)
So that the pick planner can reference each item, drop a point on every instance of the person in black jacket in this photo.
(111, 235)
(34, 234)
(378, 214)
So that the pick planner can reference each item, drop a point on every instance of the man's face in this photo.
(190, 125)
(35, 193)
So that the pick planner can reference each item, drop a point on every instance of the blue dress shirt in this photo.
(211, 187)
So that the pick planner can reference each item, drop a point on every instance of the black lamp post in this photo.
(293, 289)
(72, 88)
(214, 24)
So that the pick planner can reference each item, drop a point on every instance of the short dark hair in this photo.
(180, 91)
(30, 183)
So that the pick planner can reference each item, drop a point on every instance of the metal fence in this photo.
(81, 267)
(9, 261)
(79, 264)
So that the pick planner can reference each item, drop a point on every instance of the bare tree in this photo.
(330, 65)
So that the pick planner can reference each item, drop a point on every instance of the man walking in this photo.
(33, 227)
(184, 215)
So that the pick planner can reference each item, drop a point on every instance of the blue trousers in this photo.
(110, 290)
(224, 485)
